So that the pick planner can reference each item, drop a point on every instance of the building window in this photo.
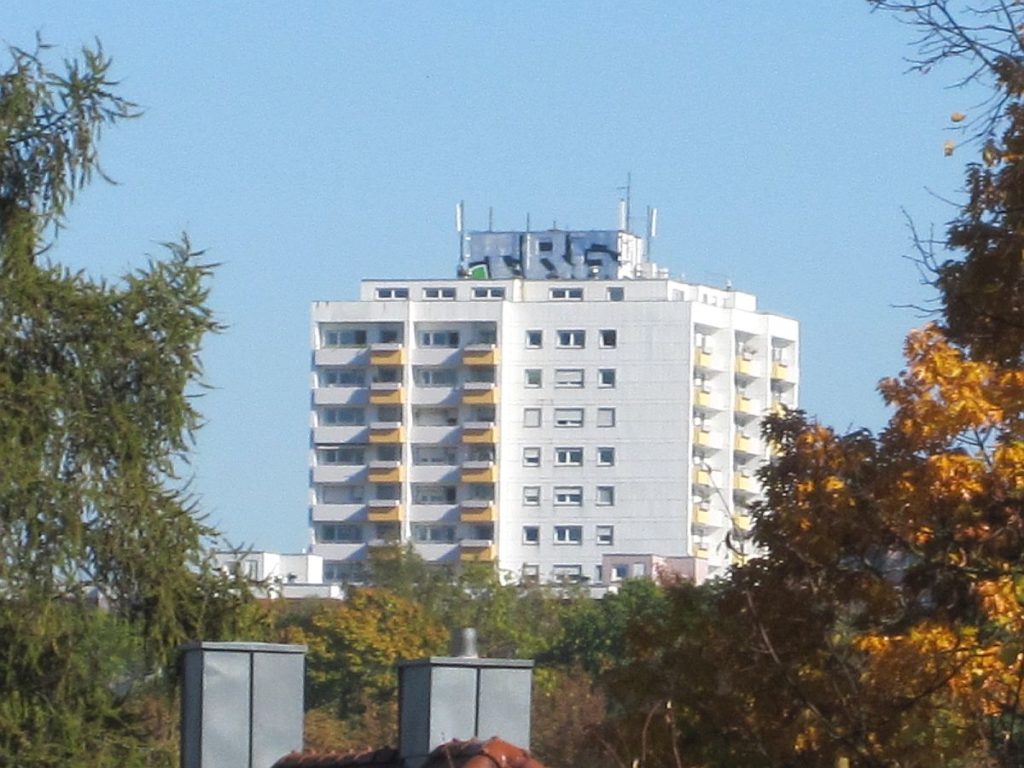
(571, 573)
(426, 493)
(448, 339)
(348, 417)
(433, 534)
(434, 294)
(531, 495)
(344, 337)
(531, 417)
(568, 417)
(341, 494)
(434, 377)
(702, 341)
(480, 491)
(531, 534)
(616, 293)
(569, 378)
(532, 378)
(489, 293)
(606, 378)
(338, 571)
(620, 572)
(609, 338)
(342, 377)
(605, 535)
(566, 294)
(343, 454)
(531, 573)
(333, 533)
(574, 339)
(568, 457)
(389, 413)
(568, 534)
(606, 417)
(605, 457)
(433, 454)
(426, 416)
(605, 496)
(388, 491)
(569, 495)
(534, 339)
(480, 453)
(531, 457)
(392, 293)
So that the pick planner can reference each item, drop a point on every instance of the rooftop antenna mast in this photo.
(625, 203)
(460, 219)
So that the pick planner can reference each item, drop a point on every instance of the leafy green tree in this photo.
(97, 385)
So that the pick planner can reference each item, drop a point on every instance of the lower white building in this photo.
(276, 575)
(542, 424)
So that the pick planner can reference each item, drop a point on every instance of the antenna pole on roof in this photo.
(490, 218)
(527, 222)
(460, 216)
(624, 213)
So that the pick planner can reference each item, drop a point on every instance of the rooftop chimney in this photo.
(461, 697)
(241, 704)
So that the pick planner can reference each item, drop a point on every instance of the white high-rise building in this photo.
(562, 406)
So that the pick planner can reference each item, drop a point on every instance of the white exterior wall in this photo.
(678, 487)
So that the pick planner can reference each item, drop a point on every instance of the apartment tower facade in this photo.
(560, 406)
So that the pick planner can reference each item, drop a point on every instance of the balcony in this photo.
(742, 521)
(478, 511)
(385, 432)
(480, 354)
(702, 359)
(706, 400)
(488, 396)
(701, 551)
(702, 477)
(384, 511)
(394, 394)
(746, 406)
(334, 513)
(706, 438)
(388, 474)
(335, 435)
(387, 354)
(747, 445)
(704, 515)
(476, 551)
(479, 432)
(339, 396)
(745, 484)
(746, 367)
(339, 355)
(782, 372)
(479, 472)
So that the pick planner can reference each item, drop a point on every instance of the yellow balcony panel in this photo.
(483, 354)
(488, 474)
(702, 477)
(706, 438)
(387, 354)
(391, 513)
(744, 444)
(701, 551)
(742, 521)
(702, 515)
(782, 371)
(470, 514)
(739, 559)
(746, 405)
(703, 399)
(387, 397)
(744, 367)
(386, 474)
(476, 551)
(480, 396)
(703, 359)
(476, 435)
(386, 433)
(745, 483)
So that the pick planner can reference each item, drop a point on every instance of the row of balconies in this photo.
(394, 472)
(747, 367)
(397, 354)
(390, 433)
(393, 511)
(741, 483)
(470, 550)
(707, 517)
(747, 406)
(393, 393)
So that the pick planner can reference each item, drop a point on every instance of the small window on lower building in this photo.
(531, 534)
(531, 457)
(531, 573)
(567, 572)
(605, 457)
(605, 496)
(616, 293)
(392, 293)
(489, 293)
(534, 339)
(606, 378)
(609, 338)
(620, 572)
(606, 417)
(605, 535)
(532, 378)
(568, 534)
(531, 417)
(531, 495)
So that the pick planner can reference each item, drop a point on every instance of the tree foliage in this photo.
(97, 386)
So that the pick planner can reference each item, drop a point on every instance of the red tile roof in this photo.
(493, 753)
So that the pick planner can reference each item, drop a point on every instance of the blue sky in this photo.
(308, 145)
